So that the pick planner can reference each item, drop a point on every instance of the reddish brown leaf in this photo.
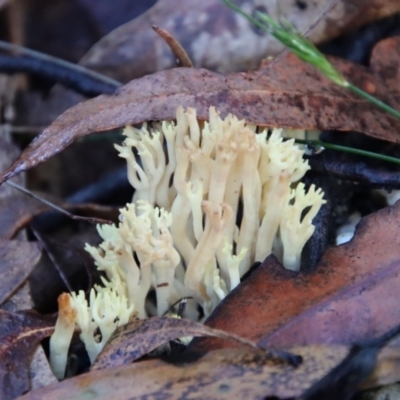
(352, 295)
(218, 39)
(139, 337)
(221, 374)
(20, 334)
(17, 261)
(292, 94)
(385, 62)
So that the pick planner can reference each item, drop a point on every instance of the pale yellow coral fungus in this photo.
(210, 199)
(207, 177)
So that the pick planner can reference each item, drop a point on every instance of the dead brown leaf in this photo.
(20, 334)
(352, 295)
(218, 39)
(140, 337)
(290, 94)
(220, 374)
(133, 50)
(385, 63)
(17, 261)
(39, 370)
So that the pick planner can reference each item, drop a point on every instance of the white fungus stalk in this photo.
(296, 228)
(60, 340)
(217, 218)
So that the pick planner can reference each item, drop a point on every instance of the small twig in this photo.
(176, 48)
(91, 220)
(53, 259)
(20, 50)
(29, 130)
(73, 78)
(181, 309)
(325, 11)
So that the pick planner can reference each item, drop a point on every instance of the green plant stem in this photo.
(373, 100)
(351, 150)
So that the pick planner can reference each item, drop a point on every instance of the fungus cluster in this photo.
(210, 199)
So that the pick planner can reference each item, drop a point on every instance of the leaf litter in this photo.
(219, 374)
(133, 50)
(227, 87)
(20, 334)
(18, 259)
(139, 337)
(291, 94)
(358, 281)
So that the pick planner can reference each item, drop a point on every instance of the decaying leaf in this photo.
(217, 39)
(20, 334)
(39, 373)
(220, 374)
(140, 337)
(17, 259)
(343, 381)
(385, 63)
(133, 50)
(291, 94)
(352, 295)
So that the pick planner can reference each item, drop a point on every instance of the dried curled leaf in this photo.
(20, 334)
(139, 337)
(291, 94)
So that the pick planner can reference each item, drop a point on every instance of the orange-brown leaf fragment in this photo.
(352, 295)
